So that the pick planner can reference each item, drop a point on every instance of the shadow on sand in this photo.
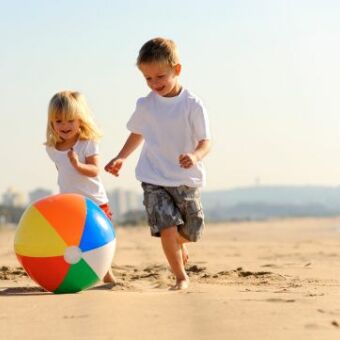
(23, 291)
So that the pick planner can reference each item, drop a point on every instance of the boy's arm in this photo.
(131, 144)
(187, 160)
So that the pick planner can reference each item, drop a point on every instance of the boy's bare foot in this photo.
(109, 277)
(181, 284)
(185, 254)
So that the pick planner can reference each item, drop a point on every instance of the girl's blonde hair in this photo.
(67, 105)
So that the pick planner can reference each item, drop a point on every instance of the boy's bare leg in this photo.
(173, 252)
(185, 253)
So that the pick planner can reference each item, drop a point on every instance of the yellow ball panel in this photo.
(35, 237)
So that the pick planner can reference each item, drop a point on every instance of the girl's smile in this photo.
(67, 130)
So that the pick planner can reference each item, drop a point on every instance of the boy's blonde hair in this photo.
(159, 50)
(68, 105)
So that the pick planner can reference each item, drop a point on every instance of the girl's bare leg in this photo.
(109, 277)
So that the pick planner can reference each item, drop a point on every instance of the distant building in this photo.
(3, 219)
(38, 194)
(13, 198)
(133, 200)
(122, 201)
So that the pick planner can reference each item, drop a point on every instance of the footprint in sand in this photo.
(280, 300)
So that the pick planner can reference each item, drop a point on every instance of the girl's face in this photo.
(66, 129)
(161, 78)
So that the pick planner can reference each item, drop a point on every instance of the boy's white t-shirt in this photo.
(70, 180)
(170, 126)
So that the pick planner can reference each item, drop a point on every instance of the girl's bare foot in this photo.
(109, 277)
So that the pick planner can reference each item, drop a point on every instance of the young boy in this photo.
(174, 126)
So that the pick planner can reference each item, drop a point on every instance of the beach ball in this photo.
(65, 243)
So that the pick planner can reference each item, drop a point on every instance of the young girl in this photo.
(71, 143)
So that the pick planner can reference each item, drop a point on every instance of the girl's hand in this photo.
(114, 166)
(187, 160)
(73, 157)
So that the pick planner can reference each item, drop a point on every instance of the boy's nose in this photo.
(154, 82)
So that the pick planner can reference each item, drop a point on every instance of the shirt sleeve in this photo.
(50, 152)
(200, 122)
(135, 123)
(92, 148)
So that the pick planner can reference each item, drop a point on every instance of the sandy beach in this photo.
(277, 280)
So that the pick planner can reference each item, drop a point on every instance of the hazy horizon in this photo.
(267, 71)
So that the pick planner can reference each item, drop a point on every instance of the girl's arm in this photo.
(187, 160)
(131, 144)
(91, 166)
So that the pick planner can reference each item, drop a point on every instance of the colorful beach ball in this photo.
(65, 243)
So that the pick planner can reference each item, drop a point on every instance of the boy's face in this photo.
(161, 78)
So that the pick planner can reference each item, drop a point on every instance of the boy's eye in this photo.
(148, 78)
(71, 120)
(161, 76)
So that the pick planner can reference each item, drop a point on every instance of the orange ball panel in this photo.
(69, 225)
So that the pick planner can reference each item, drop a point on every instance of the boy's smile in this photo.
(161, 78)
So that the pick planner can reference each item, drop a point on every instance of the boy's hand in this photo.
(187, 160)
(73, 157)
(114, 166)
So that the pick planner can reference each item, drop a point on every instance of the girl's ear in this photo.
(178, 69)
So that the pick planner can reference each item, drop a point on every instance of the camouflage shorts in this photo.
(169, 206)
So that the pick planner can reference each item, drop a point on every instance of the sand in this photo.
(252, 280)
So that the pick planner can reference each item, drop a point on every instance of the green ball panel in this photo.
(79, 277)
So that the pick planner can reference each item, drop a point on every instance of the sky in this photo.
(268, 72)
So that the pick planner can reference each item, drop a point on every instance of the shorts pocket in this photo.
(193, 206)
(149, 203)
(194, 223)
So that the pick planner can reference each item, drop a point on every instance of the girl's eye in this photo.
(58, 121)
(161, 76)
(71, 120)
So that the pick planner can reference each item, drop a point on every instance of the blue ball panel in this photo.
(98, 229)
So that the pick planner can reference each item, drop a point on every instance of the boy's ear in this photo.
(178, 69)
